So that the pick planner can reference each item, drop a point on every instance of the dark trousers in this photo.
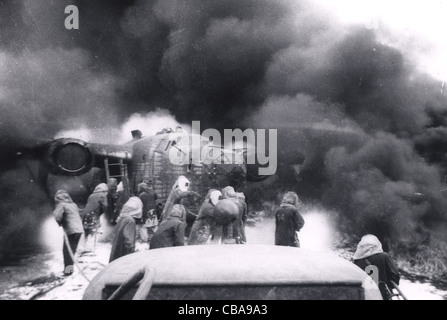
(73, 240)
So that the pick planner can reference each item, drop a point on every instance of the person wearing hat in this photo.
(67, 216)
(171, 231)
(126, 229)
(370, 253)
(288, 221)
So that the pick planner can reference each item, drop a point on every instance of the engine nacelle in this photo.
(69, 157)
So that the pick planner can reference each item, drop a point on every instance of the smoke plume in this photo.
(371, 126)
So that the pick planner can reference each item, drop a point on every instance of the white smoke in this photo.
(82, 133)
(149, 124)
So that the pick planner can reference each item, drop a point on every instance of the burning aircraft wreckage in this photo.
(264, 96)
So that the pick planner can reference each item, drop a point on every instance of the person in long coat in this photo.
(370, 253)
(95, 207)
(171, 231)
(202, 228)
(67, 216)
(126, 229)
(288, 221)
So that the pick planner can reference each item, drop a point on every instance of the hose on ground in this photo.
(67, 244)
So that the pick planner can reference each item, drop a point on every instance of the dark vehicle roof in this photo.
(230, 265)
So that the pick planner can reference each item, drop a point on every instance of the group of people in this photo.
(220, 220)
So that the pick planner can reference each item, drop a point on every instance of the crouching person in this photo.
(171, 231)
(370, 253)
(201, 231)
(67, 216)
(126, 229)
(238, 231)
(225, 213)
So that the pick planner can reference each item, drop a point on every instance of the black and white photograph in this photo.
(223, 150)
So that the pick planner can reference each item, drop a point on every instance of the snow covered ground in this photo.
(318, 235)
(39, 276)
(421, 291)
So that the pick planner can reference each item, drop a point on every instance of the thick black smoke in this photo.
(377, 150)
(369, 125)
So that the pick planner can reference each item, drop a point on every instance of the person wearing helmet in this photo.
(126, 229)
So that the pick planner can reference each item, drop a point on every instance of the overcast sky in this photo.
(418, 27)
